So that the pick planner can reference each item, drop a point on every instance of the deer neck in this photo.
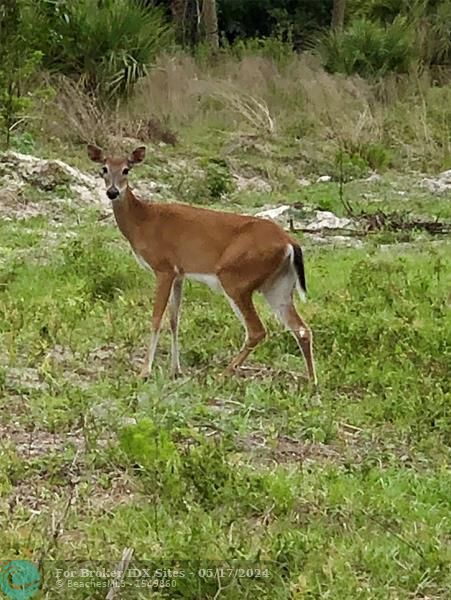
(128, 212)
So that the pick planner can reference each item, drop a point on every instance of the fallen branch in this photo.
(379, 221)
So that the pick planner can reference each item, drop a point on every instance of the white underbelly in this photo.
(209, 279)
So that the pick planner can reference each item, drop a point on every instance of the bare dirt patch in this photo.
(285, 449)
(38, 487)
(34, 443)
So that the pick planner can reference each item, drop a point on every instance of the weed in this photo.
(218, 179)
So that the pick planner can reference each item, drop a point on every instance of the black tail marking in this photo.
(298, 262)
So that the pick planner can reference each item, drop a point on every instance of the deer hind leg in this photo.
(174, 311)
(241, 272)
(280, 298)
(244, 308)
(163, 290)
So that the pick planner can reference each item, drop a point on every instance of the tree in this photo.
(210, 19)
(18, 63)
(196, 20)
(338, 15)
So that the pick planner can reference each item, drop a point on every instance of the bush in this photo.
(274, 48)
(349, 166)
(356, 160)
(110, 44)
(18, 65)
(211, 184)
(95, 264)
(369, 48)
(218, 179)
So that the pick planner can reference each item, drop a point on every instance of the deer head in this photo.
(116, 169)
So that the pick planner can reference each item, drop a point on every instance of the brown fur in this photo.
(245, 253)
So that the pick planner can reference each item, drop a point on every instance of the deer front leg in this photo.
(163, 290)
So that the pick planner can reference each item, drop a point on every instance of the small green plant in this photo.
(360, 158)
(377, 156)
(277, 47)
(24, 142)
(218, 179)
(150, 448)
(209, 185)
(210, 477)
(102, 278)
(349, 166)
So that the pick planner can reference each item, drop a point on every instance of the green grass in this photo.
(340, 492)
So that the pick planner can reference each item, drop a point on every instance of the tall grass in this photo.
(298, 106)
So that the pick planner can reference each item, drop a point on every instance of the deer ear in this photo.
(95, 153)
(137, 155)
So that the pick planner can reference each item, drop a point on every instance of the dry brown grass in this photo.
(253, 95)
(72, 115)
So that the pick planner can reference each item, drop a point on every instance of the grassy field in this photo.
(337, 492)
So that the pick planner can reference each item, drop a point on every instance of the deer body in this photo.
(235, 254)
(185, 240)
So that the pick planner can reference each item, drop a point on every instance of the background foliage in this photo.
(343, 491)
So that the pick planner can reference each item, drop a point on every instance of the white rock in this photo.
(374, 178)
(435, 186)
(325, 219)
(255, 184)
(47, 174)
(146, 189)
(439, 184)
(324, 179)
(273, 213)
(445, 177)
(335, 240)
(343, 240)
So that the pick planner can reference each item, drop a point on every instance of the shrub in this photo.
(153, 453)
(19, 62)
(356, 160)
(218, 179)
(109, 44)
(369, 48)
(211, 184)
(274, 48)
(349, 166)
(95, 264)
(377, 156)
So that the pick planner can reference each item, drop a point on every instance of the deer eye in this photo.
(125, 171)
(104, 170)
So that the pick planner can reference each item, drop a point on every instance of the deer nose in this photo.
(112, 193)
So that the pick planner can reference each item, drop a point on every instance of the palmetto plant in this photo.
(110, 43)
(369, 48)
(430, 19)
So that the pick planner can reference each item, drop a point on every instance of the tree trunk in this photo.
(210, 18)
(338, 15)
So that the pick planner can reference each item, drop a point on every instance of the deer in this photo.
(235, 254)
